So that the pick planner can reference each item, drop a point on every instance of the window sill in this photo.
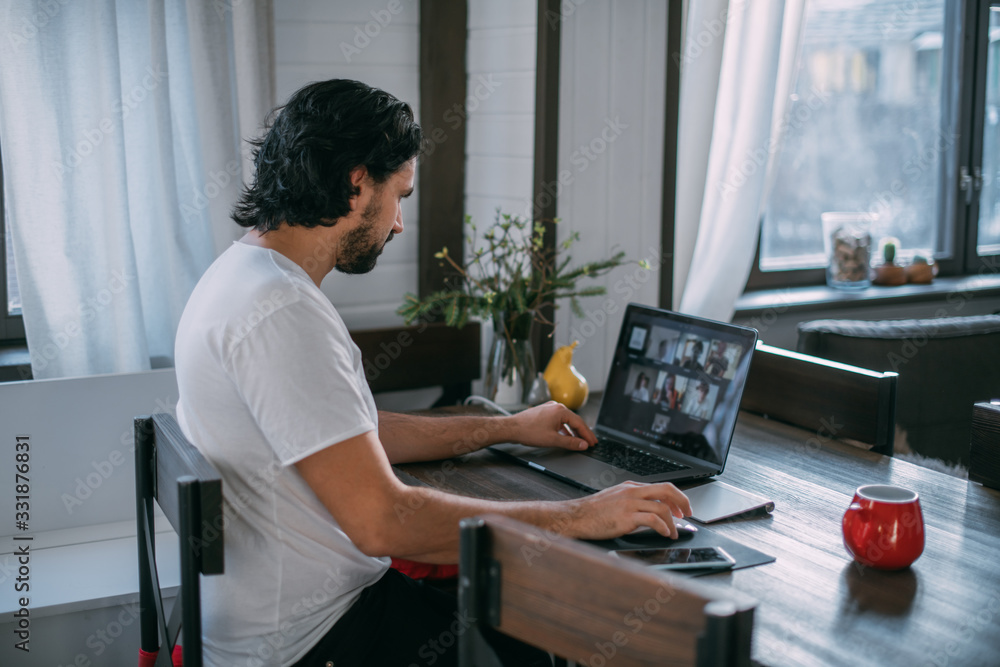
(791, 299)
(15, 362)
(105, 554)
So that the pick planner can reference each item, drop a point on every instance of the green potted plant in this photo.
(507, 274)
(921, 270)
(889, 273)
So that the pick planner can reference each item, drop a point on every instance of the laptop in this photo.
(669, 407)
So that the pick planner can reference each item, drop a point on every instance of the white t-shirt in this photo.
(268, 375)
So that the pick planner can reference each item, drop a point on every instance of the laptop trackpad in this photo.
(532, 453)
(575, 467)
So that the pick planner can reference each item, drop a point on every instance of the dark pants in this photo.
(399, 622)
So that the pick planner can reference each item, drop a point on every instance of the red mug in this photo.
(884, 527)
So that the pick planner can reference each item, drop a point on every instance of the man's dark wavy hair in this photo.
(304, 161)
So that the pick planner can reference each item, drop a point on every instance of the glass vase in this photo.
(510, 367)
(847, 241)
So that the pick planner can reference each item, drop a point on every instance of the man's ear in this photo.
(358, 177)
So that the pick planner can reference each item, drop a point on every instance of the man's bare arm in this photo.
(385, 517)
(408, 438)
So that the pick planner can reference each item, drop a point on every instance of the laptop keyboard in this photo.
(632, 459)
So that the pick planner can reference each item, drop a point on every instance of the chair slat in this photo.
(174, 474)
(832, 399)
(581, 603)
(177, 458)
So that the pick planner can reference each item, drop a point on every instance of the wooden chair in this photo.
(579, 602)
(425, 355)
(171, 472)
(833, 399)
(984, 448)
(945, 365)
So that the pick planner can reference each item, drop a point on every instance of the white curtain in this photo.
(738, 66)
(121, 125)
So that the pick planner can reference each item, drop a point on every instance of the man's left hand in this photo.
(552, 424)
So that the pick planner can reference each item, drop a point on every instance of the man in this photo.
(691, 360)
(662, 353)
(272, 391)
(697, 405)
(717, 363)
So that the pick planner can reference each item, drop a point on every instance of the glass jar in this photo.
(847, 240)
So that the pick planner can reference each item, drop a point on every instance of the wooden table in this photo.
(816, 607)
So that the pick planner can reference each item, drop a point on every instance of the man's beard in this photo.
(360, 248)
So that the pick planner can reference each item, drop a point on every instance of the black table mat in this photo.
(743, 555)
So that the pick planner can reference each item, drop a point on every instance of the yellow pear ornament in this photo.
(566, 385)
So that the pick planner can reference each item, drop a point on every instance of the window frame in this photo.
(976, 115)
(963, 111)
(11, 326)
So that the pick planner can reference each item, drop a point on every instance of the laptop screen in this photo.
(676, 381)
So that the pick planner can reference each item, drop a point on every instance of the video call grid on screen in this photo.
(668, 379)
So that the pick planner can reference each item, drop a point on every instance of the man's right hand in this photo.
(623, 508)
(384, 517)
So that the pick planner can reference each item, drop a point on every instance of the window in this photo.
(895, 112)
(12, 293)
(988, 202)
(11, 324)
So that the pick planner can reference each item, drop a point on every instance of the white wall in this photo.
(613, 64)
(500, 106)
(500, 111)
(377, 42)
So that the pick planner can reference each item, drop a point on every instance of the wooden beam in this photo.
(860, 403)
(546, 169)
(426, 355)
(671, 115)
(441, 174)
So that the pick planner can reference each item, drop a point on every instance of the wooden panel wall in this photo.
(376, 42)
(611, 144)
